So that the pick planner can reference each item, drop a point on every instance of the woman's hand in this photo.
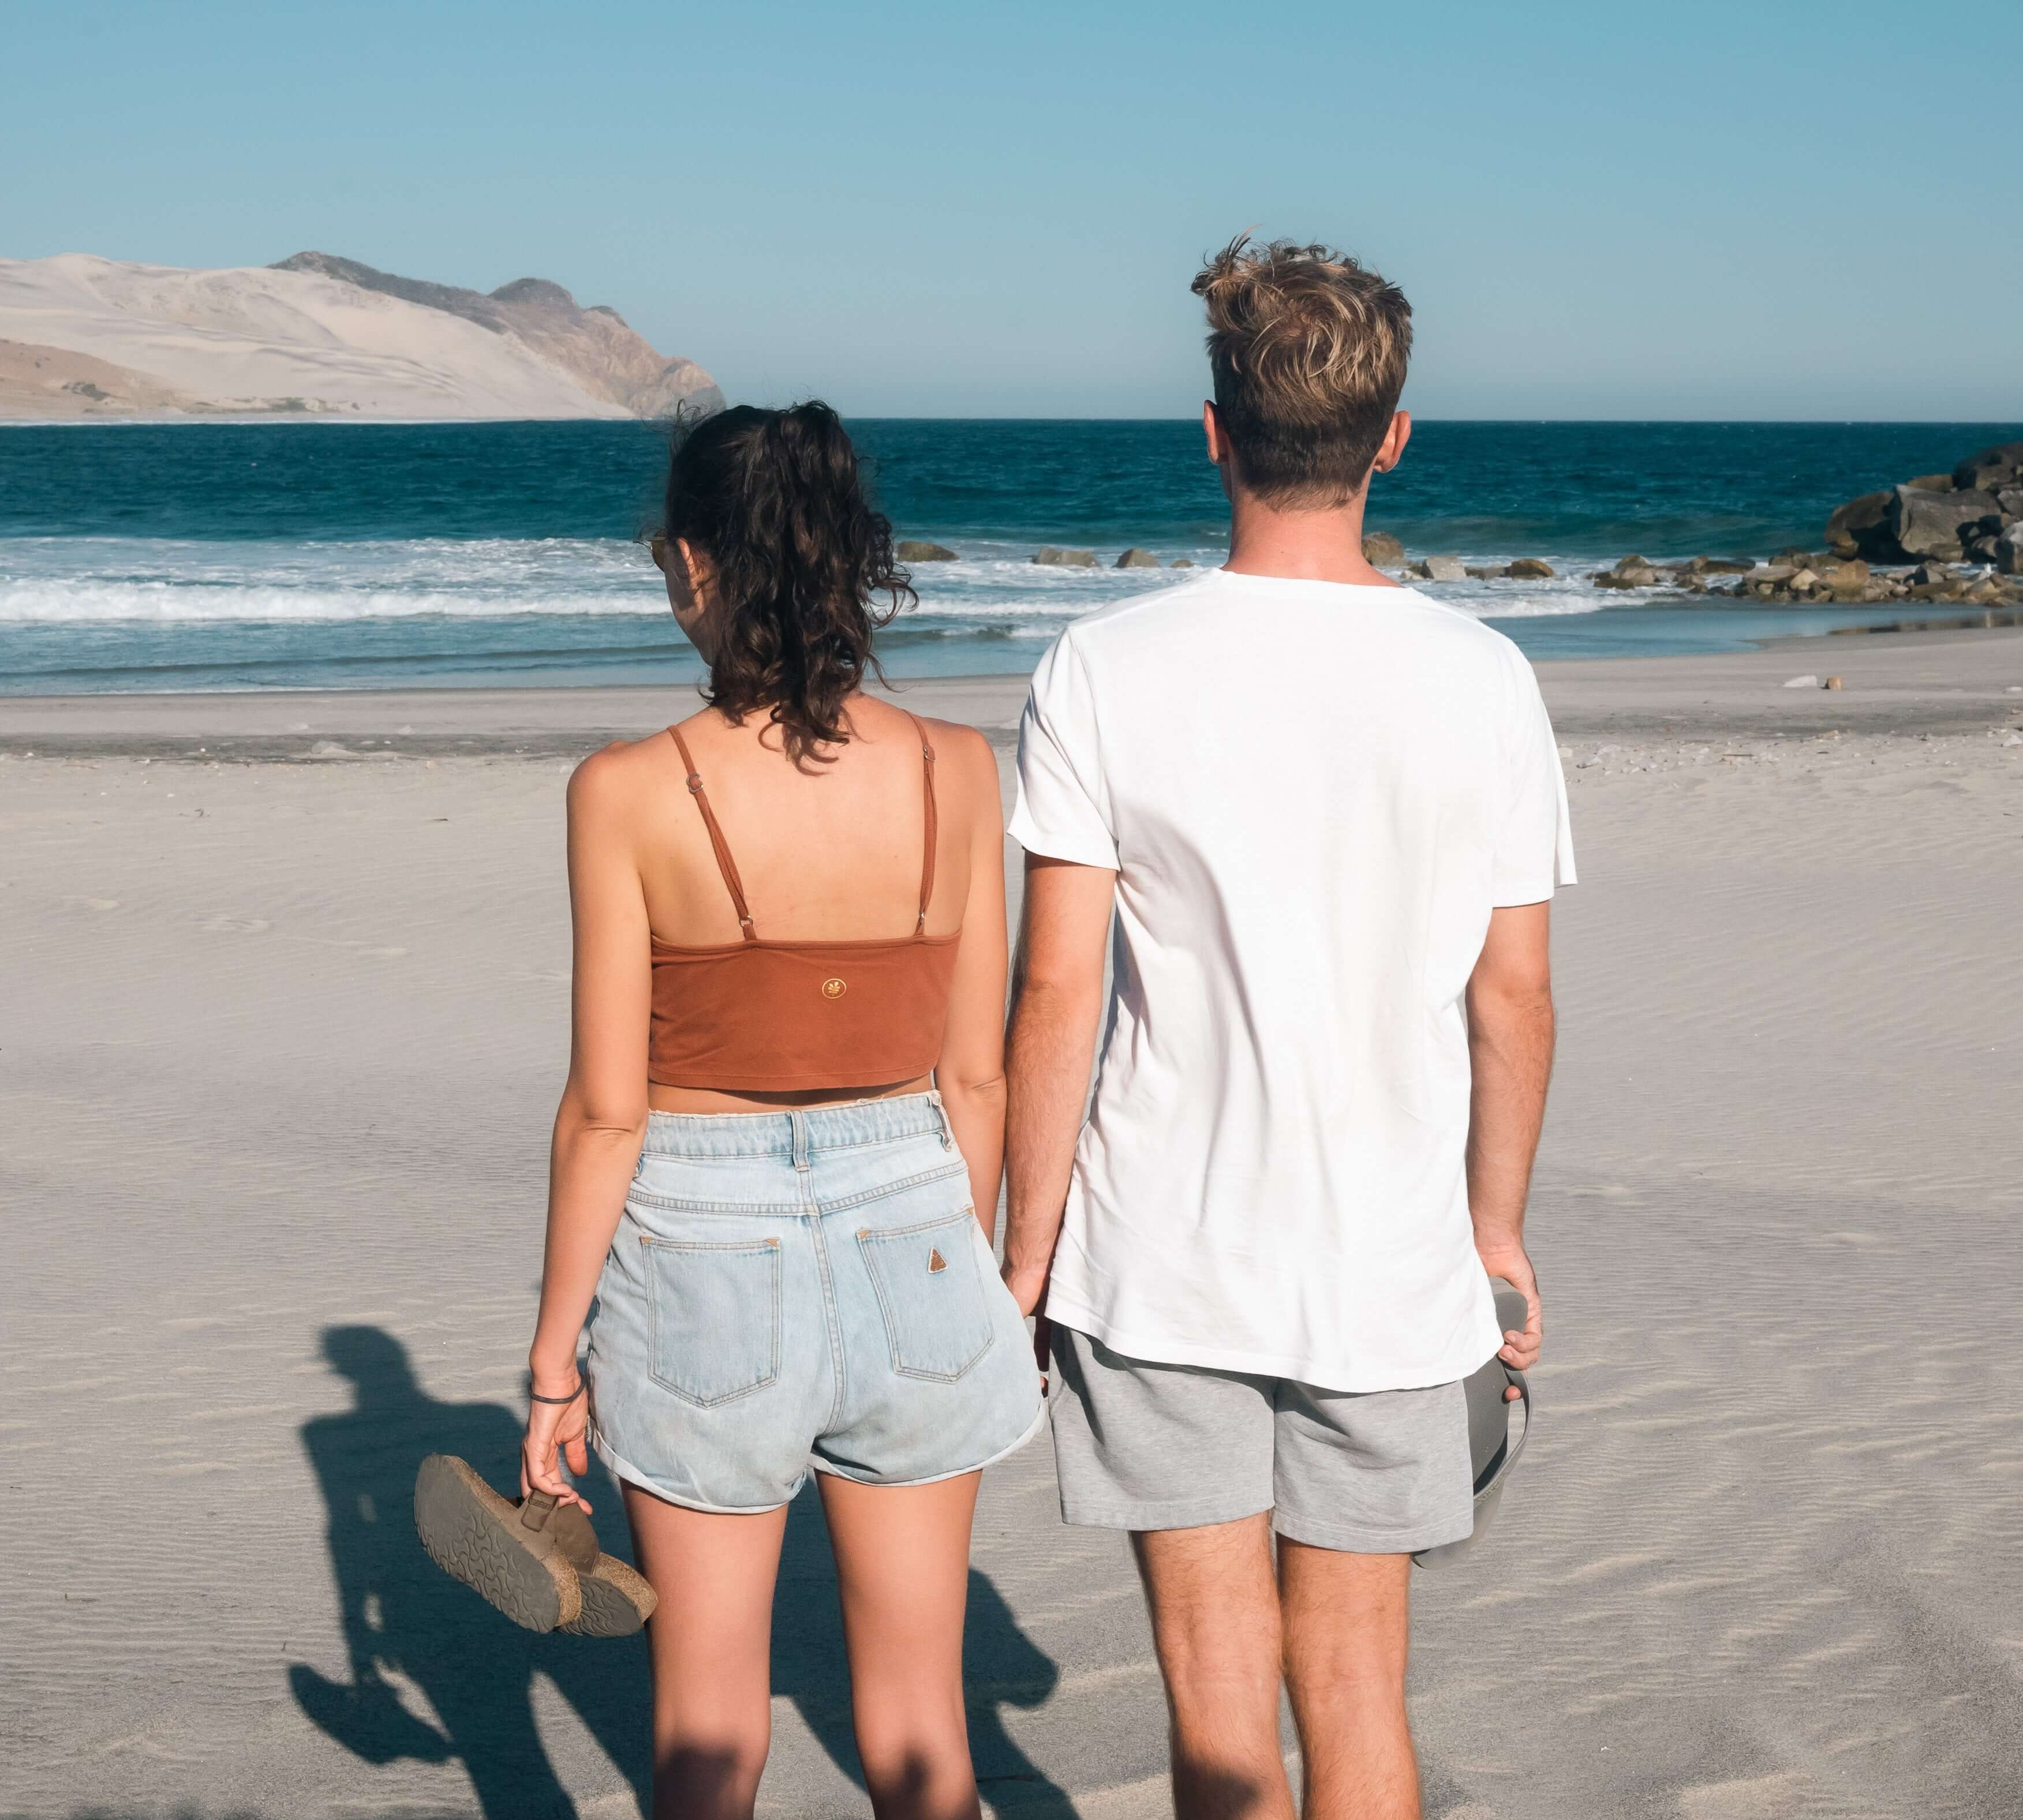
(552, 1428)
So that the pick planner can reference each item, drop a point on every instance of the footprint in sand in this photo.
(94, 903)
(225, 923)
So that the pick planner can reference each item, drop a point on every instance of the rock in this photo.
(1931, 483)
(1134, 557)
(1184, 562)
(912, 549)
(1055, 558)
(1832, 682)
(2008, 551)
(1929, 524)
(1861, 528)
(1991, 467)
(2009, 502)
(1381, 550)
(1494, 574)
(1530, 569)
(1796, 554)
(1804, 579)
(1441, 569)
(1632, 572)
(1988, 589)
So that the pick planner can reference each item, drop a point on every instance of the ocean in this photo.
(281, 555)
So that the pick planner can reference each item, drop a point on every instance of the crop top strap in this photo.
(724, 863)
(928, 819)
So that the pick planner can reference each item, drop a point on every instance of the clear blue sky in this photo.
(1717, 209)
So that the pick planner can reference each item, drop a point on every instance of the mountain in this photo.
(317, 335)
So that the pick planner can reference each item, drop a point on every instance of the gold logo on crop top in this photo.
(835, 989)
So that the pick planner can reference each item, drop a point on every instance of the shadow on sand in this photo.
(401, 1614)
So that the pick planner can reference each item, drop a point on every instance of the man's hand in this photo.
(1029, 1290)
(1519, 1350)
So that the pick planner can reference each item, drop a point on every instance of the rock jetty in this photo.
(1956, 517)
(1054, 558)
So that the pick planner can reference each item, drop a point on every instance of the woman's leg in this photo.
(903, 1566)
(711, 1643)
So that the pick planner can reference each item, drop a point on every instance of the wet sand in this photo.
(284, 1026)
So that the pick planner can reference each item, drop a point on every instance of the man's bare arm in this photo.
(1056, 1004)
(1510, 1053)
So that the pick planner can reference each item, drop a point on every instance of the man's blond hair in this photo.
(1308, 350)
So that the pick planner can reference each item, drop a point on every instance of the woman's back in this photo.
(827, 852)
(824, 852)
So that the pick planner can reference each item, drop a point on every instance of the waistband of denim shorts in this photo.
(800, 1133)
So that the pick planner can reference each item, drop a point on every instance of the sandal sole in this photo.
(616, 1600)
(473, 1534)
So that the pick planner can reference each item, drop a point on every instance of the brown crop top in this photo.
(764, 1016)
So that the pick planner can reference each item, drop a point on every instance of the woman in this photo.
(776, 1163)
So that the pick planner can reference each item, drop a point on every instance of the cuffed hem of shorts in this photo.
(1165, 1513)
(1039, 1418)
(688, 1501)
(1365, 1539)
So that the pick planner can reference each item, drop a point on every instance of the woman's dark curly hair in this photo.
(774, 501)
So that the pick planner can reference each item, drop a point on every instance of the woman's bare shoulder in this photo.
(964, 760)
(611, 779)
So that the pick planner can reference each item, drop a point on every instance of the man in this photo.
(1327, 814)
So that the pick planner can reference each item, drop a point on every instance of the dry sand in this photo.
(283, 1030)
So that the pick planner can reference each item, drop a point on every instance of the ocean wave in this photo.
(106, 581)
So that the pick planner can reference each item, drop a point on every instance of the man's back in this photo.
(1313, 795)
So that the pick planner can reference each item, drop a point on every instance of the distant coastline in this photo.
(318, 338)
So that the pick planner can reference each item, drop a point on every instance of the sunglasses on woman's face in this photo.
(656, 547)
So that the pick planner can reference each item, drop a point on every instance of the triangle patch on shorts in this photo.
(936, 1261)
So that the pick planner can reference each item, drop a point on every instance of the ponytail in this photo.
(775, 501)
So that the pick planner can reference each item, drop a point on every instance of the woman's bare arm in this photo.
(970, 1073)
(603, 1118)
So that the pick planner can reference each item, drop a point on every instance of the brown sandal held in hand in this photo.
(537, 1561)
(616, 1599)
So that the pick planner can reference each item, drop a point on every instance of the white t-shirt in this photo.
(1313, 796)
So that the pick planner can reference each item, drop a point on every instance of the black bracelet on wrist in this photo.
(534, 1397)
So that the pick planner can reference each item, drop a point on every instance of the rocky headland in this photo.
(317, 335)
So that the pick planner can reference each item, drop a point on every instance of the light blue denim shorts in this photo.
(798, 1289)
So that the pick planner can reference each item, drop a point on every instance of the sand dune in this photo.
(284, 1030)
(293, 342)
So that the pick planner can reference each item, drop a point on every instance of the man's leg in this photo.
(1215, 1624)
(1345, 1619)
(1360, 1482)
(1182, 1457)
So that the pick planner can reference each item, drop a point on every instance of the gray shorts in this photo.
(1145, 1446)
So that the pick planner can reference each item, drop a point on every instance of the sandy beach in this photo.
(286, 982)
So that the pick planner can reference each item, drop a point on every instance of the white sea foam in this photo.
(111, 581)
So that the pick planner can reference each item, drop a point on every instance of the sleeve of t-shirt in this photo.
(1535, 838)
(1058, 812)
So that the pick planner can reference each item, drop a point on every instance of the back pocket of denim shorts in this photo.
(931, 1295)
(716, 1316)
